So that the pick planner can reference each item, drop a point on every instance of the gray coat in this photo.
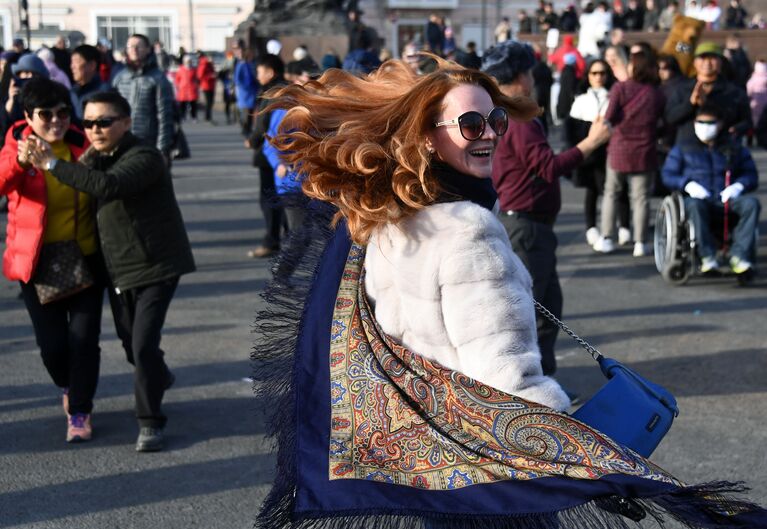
(150, 96)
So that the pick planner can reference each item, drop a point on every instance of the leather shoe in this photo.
(150, 439)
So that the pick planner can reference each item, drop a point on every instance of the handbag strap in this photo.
(77, 211)
(594, 352)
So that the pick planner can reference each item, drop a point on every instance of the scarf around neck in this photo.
(457, 186)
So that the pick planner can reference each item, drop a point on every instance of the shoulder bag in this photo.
(61, 268)
(629, 409)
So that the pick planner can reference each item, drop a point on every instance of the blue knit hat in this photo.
(507, 60)
(30, 63)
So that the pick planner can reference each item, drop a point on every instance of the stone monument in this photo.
(314, 23)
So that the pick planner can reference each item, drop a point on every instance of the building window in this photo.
(118, 28)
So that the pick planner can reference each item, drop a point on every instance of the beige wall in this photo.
(213, 20)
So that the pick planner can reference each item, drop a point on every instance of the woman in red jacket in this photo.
(40, 211)
(206, 73)
(187, 87)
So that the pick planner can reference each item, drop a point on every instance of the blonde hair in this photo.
(361, 143)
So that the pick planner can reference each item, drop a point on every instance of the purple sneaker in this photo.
(79, 428)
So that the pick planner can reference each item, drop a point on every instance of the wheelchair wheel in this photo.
(669, 240)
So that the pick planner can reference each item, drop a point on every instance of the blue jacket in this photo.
(707, 166)
(246, 85)
(291, 182)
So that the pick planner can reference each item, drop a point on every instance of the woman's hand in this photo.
(281, 171)
(40, 152)
(23, 151)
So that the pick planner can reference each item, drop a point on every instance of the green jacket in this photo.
(141, 231)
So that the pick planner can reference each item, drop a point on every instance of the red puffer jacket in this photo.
(27, 201)
(206, 73)
(187, 86)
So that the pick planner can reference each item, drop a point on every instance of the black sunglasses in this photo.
(103, 123)
(46, 114)
(472, 123)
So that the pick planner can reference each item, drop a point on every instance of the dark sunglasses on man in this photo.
(103, 123)
(46, 114)
(472, 123)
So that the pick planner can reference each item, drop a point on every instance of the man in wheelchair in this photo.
(715, 172)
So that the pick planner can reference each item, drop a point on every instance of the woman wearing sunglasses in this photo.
(407, 161)
(42, 210)
(143, 240)
(416, 190)
(590, 103)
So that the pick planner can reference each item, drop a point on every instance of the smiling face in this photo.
(474, 158)
(105, 138)
(707, 67)
(49, 124)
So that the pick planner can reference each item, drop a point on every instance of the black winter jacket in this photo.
(731, 100)
(141, 231)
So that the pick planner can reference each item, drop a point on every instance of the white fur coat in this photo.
(446, 284)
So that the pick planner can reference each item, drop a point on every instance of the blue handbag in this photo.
(629, 409)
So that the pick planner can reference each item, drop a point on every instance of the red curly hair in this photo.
(361, 143)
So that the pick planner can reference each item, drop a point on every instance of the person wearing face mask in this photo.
(526, 175)
(715, 172)
(708, 86)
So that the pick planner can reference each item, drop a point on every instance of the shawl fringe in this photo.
(712, 505)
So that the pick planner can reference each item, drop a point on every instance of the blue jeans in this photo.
(700, 213)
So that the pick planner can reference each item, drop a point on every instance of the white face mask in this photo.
(706, 131)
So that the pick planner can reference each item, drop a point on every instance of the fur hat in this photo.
(507, 60)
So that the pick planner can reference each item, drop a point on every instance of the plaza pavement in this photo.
(706, 342)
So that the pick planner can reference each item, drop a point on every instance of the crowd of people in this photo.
(635, 15)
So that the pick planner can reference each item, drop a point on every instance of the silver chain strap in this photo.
(595, 354)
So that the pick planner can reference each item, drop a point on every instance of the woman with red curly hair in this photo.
(410, 328)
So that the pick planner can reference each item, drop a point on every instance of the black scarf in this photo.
(458, 186)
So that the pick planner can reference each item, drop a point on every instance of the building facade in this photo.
(193, 24)
(400, 21)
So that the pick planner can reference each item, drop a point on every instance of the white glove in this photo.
(695, 190)
(731, 191)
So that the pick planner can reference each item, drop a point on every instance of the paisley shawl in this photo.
(401, 418)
